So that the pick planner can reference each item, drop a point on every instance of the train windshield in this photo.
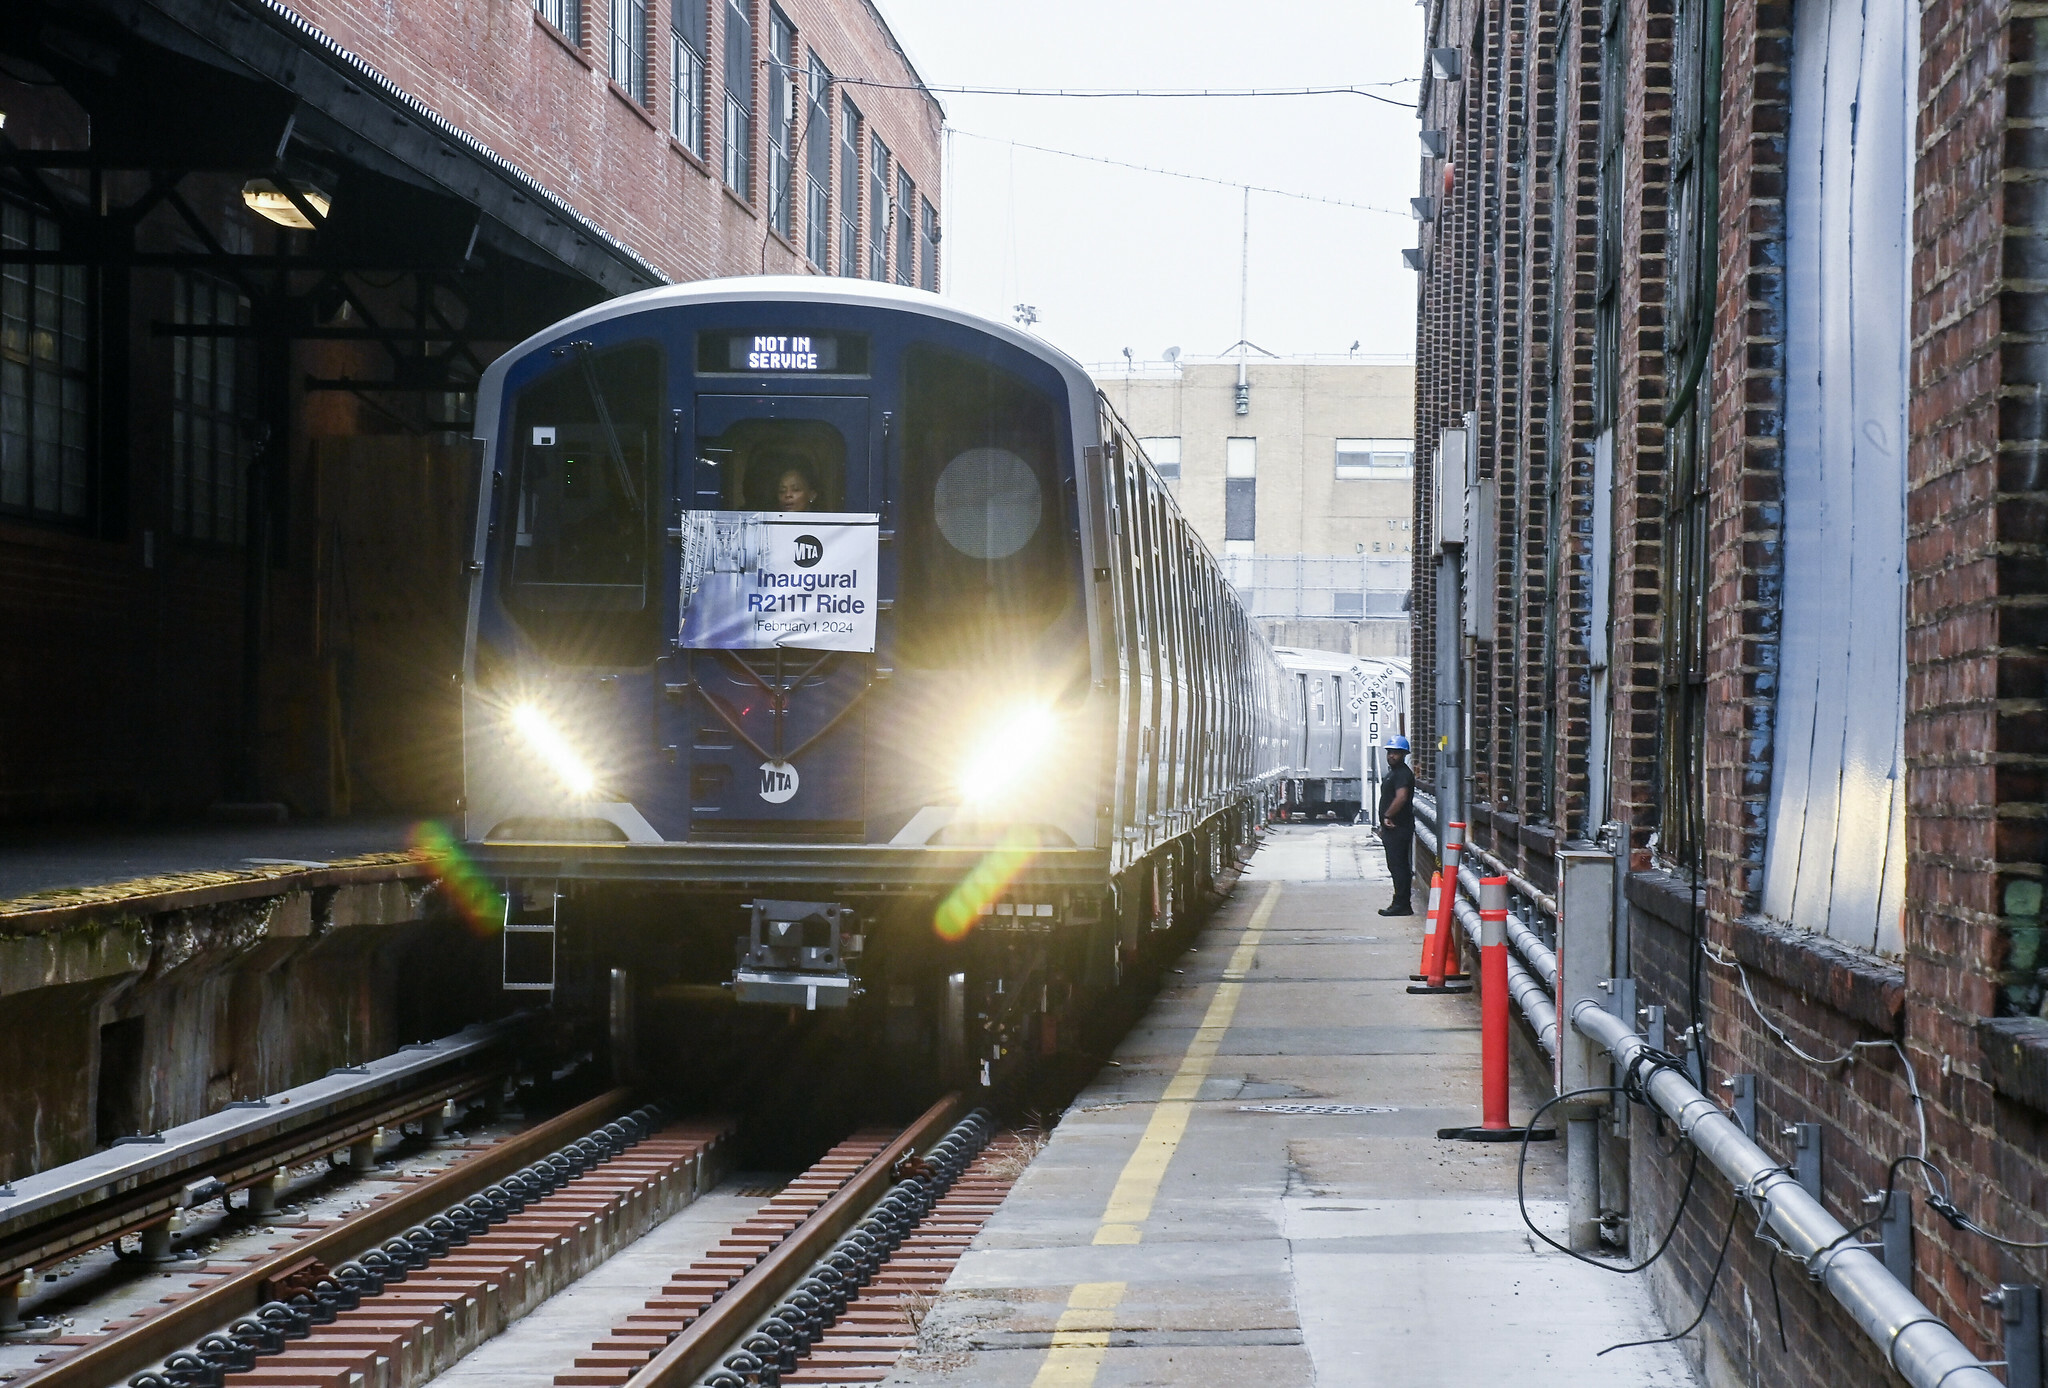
(984, 570)
(584, 444)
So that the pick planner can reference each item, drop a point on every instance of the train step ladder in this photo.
(532, 912)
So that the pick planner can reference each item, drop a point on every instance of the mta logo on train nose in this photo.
(809, 550)
(778, 781)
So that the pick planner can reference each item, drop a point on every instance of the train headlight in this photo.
(547, 742)
(1013, 746)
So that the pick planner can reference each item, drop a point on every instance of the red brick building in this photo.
(1730, 352)
(255, 255)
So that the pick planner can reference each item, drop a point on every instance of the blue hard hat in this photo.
(1399, 744)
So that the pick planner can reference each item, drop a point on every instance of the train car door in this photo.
(775, 729)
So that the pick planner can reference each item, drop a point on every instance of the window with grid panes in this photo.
(689, 21)
(849, 188)
(629, 47)
(739, 99)
(210, 394)
(906, 229)
(565, 15)
(781, 121)
(43, 383)
(1688, 328)
(928, 246)
(878, 209)
(817, 146)
(1607, 261)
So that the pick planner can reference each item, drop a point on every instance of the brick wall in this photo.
(1977, 692)
(503, 74)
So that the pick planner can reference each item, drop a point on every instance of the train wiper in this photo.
(624, 474)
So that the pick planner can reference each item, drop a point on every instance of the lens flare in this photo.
(554, 749)
(1007, 753)
(481, 905)
(987, 880)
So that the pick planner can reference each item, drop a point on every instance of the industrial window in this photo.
(1240, 489)
(849, 187)
(565, 15)
(739, 98)
(781, 120)
(689, 22)
(906, 229)
(211, 378)
(629, 47)
(1834, 860)
(928, 247)
(878, 209)
(1365, 460)
(817, 143)
(1164, 451)
(42, 374)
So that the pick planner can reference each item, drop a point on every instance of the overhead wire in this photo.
(1150, 93)
(1180, 173)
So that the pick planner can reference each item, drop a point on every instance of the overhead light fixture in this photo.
(271, 202)
(1434, 144)
(1412, 257)
(1423, 208)
(1448, 63)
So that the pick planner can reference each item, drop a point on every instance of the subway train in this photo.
(831, 646)
(1342, 711)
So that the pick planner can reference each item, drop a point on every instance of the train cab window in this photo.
(776, 465)
(585, 501)
(985, 560)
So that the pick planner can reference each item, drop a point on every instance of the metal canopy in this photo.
(249, 86)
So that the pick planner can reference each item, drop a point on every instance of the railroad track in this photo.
(140, 1185)
(395, 1293)
(827, 1282)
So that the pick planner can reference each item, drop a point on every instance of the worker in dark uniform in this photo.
(1397, 825)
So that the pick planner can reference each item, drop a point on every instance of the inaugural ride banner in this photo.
(755, 580)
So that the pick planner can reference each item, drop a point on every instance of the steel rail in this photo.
(145, 1344)
(1914, 1340)
(698, 1348)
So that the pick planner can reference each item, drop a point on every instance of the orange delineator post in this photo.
(1429, 934)
(1437, 953)
(1493, 1003)
(1493, 1026)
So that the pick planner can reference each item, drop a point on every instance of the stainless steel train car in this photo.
(1341, 711)
(844, 643)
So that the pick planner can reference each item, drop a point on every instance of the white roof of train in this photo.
(1301, 658)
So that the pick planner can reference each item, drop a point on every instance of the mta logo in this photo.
(809, 550)
(778, 781)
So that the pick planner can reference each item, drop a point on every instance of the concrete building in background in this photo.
(1299, 480)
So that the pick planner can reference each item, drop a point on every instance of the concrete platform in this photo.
(1194, 1220)
(62, 861)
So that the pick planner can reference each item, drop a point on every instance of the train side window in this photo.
(986, 564)
(585, 440)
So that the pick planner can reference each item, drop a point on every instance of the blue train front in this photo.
(789, 600)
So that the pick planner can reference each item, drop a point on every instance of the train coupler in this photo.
(794, 955)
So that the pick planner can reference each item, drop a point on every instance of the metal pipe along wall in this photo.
(1916, 1341)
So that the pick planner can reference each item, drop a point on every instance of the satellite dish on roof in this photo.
(1172, 354)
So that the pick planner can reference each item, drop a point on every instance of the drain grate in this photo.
(1317, 1108)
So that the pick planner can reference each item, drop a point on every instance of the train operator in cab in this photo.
(1397, 825)
(795, 491)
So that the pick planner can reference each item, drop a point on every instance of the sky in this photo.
(1113, 258)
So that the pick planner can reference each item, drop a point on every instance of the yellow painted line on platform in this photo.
(1080, 1337)
(1131, 1202)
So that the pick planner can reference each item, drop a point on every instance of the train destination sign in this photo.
(755, 580)
(779, 353)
